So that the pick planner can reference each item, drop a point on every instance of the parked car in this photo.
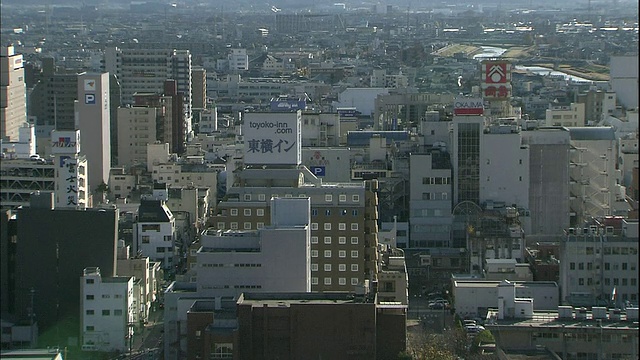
(474, 328)
(442, 303)
(436, 306)
(466, 323)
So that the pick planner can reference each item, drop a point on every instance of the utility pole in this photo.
(32, 293)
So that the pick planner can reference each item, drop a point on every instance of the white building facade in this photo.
(106, 311)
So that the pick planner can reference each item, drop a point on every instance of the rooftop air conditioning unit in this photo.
(565, 312)
(581, 313)
(572, 231)
(599, 312)
(632, 314)
(614, 314)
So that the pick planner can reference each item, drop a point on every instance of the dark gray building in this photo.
(53, 247)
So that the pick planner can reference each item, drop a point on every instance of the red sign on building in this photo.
(495, 73)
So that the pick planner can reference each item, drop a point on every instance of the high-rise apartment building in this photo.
(146, 71)
(13, 102)
(51, 102)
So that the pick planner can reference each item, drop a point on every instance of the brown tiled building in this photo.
(318, 326)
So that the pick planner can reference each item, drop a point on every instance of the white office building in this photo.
(276, 258)
(473, 298)
(106, 311)
(598, 258)
(155, 232)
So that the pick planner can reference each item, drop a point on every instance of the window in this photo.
(607, 266)
(342, 240)
(247, 225)
(247, 212)
(314, 281)
(327, 267)
(247, 197)
(314, 267)
(572, 266)
(580, 266)
(314, 226)
(90, 312)
(90, 328)
(624, 266)
(89, 297)
(354, 267)
(261, 197)
(342, 226)
(314, 212)
(354, 226)
(327, 212)
(234, 212)
(342, 281)
(342, 198)
(342, 253)
(354, 212)
(314, 239)
(342, 267)
(145, 239)
(327, 240)
(354, 253)
(624, 281)
(314, 253)
(259, 225)
(354, 240)
(589, 266)
(354, 281)
(607, 281)
(106, 312)
(234, 226)
(260, 212)
(221, 226)
(327, 253)
(328, 198)
(327, 281)
(355, 198)
(581, 281)
(89, 281)
(159, 249)
(327, 226)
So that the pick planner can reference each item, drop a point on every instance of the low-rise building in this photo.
(473, 298)
(106, 311)
(301, 325)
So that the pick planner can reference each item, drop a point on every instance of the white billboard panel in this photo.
(272, 138)
(65, 142)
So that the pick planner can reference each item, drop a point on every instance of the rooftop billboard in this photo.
(272, 138)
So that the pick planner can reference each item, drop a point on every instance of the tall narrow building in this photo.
(94, 122)
(13, 102)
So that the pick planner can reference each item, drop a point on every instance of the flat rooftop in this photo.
(550, 319)
(288, 299)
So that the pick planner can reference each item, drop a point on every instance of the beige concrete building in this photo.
(136, 129)
(566, 115)
(13, 102)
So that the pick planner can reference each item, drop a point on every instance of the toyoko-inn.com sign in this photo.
(272, 138)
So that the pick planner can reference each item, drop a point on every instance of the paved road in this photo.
(147, 342)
